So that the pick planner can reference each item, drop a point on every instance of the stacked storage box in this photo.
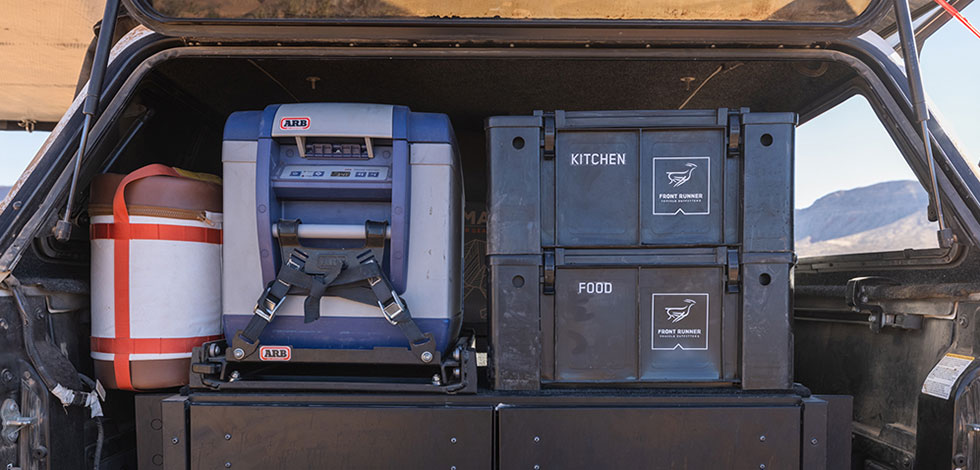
(641, 247)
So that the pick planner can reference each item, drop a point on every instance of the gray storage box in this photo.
(641, 246)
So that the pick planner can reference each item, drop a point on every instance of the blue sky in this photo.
(844, 148)
(847, 147)
(17, 148)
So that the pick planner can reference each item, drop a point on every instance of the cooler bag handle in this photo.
(120, 214)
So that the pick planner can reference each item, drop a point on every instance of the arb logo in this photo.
(294, 123)
(275, 353)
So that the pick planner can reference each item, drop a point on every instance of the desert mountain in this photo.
(881, 217)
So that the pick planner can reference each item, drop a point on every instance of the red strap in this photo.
(177, 233)
(120, 215)
(956, 14)
(148, 345)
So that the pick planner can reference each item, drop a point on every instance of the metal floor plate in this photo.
(651, 438)
(348, 437)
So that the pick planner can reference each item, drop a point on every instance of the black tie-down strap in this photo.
(331, 273)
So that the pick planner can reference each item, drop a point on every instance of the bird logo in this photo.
(676, 314)
(678, 178)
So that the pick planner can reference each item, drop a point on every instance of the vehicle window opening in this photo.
(855, 193)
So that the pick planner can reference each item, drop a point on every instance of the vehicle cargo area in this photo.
(597, 256)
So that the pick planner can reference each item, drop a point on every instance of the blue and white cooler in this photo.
(321, 192)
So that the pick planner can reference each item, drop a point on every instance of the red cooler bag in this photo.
(156, 274)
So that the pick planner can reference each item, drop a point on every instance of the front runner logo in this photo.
(275, 353)
(681, 185)
(679, 321)
(678, 178)
(677, 314)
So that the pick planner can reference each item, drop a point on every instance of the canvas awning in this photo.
(42, 47)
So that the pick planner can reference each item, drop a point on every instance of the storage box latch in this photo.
(734, 272)
(734, 134)
(549, 273)
(548, 139)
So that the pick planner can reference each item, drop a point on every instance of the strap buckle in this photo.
(268, 305)
(394, 310)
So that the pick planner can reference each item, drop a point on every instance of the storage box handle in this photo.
(331, 231)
